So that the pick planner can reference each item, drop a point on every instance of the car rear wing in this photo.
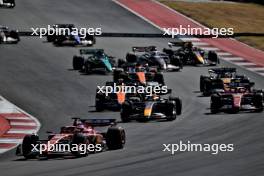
(241, 83)
(96, 122)
(222, 70)
(178, 43)
(90, 51)
(144, 48)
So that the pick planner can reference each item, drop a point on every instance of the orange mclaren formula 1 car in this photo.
(138, 74)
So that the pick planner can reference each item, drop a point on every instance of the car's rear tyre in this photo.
(178, 104)
(120, 63)
(159, 78)
(27, 147)
(131, 57)
(14, 34)
(212, 56)
(258, 102)
(201, 83)
(118, 74)
(99, 105)
(115, 138)
(77, 62)
(87, 68)
(172, 109)
(175, 60)
(215, 103)
(207, 87)
(78, 139)
(126, 110)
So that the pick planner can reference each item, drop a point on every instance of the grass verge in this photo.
(243, 17)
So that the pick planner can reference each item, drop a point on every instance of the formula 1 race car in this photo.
(68, 35)
(8, 36)
(153, 58)
(138, 74)
(190, 55)
(81, 132)
(52, 36)
(111, 100)
(91, 60)
(7, 3)
(237, 99)
(153, 108)
(219, 78)
(113, 94)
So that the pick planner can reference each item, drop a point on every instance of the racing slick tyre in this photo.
(15, 35)
(120, 63)
(90, 38)
(168, 51)
(212, 56)
(215, 103)
(50, 38)
(118, 74)
(115, 138)
(131, 57)
(207, 87)
(99, 105)
(178, 103)
(258, 102)
(175, 60)
(159, 78)
(78, 139)
(77, 62)
(27, 147)
(172, 109)
(202, 83)
(87, 68)
(126, 110)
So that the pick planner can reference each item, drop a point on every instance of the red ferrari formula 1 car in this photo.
(237, 98)
(78, 140)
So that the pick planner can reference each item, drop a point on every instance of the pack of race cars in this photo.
(133, 90)
(230, 91)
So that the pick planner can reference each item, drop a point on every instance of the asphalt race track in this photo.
(37, 77)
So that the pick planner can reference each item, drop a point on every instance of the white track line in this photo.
(18, 118)
(122, 5)
(200, 43)
(257, 69)
(21, 131)
(223, 53)
(9, 140)
(186, 39)
(210, 48)
(233, 58)
(244, 63)
(23, 123)
(2, 150)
